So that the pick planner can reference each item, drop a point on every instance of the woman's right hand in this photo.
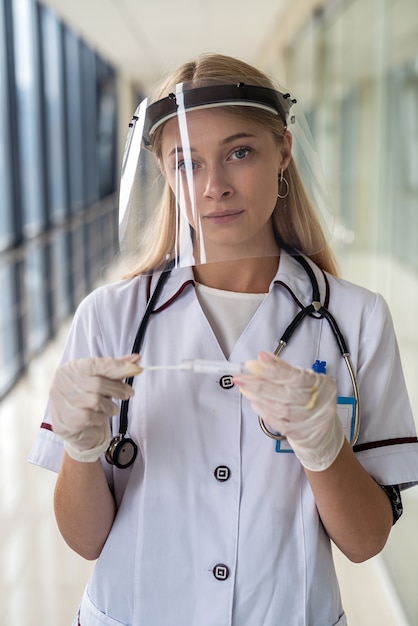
(81, 402)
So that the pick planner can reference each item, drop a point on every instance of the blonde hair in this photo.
(295, 221)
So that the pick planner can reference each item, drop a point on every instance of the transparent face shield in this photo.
(203, 178)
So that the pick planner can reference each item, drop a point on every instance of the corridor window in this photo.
(410, 126)
(106, 128)
(6, 235)
(55, 148)
(74, 121)
(29, 119)
(9, 341)
(61, 274)
(89, 108)
(36, 303)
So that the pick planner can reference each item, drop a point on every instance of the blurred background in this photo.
(71, 74)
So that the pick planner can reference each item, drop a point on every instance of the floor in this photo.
(41, 580)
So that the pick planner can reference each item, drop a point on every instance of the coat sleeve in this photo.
(387, 446)
(84, 340)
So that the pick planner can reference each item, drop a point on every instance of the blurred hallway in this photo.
(71, 75)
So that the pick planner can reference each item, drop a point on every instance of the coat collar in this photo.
(290, 275)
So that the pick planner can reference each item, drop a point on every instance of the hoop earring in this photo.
(283, 181)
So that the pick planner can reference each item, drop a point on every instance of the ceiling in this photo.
(147, 38)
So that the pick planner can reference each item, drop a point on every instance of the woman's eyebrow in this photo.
(178, 149)
(242, 135)
(227, 140)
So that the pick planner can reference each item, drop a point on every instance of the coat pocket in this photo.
(90, 615)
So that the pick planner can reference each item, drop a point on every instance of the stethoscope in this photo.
(322, 312)
(122, 450)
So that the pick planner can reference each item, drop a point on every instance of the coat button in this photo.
(226, 381)
(222, 473)
(221, 571)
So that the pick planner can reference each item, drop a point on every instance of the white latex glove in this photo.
(297, 403)
(81, 402)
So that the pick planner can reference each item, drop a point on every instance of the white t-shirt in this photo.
(228, 312)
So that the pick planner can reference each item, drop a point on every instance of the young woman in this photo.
(212, 498)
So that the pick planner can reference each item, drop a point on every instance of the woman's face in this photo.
(224, 173)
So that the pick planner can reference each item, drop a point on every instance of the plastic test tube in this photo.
(202, 366)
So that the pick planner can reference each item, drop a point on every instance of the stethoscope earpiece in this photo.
(121, 452)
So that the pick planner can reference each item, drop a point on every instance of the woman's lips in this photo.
(223, 217)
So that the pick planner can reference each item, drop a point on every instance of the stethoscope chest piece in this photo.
(121, 452)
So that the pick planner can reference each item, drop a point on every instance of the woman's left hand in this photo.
(297, 403)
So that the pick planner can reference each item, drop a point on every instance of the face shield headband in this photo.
(217, 96)
(160, 226)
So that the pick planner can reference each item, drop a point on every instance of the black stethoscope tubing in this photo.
(122, 450)
(314, 307)
(121, 443)
(139, 338)
(322, 311)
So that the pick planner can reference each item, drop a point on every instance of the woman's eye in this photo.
(186, 166)
(241, 153)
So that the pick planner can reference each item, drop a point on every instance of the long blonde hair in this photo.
(295, 221)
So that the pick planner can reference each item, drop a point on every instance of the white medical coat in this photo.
(214, 526)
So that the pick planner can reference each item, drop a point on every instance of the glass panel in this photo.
(61, 292)
(402, 160)
(348, 158)
(78, 253)
(27, 85)
(74, 121)
(6, 234)
(54, 114)
(36, 312)
(106, 130)
(9, 319)
(89, 112)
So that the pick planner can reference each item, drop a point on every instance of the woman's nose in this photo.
(216, 184)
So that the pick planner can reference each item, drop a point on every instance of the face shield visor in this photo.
(202, 180)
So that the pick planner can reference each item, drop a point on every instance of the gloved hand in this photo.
(81, 402)
(297, 403)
